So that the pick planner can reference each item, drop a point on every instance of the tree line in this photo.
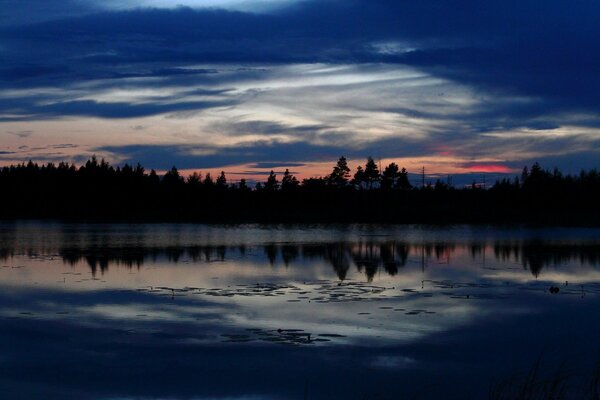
(97, 190)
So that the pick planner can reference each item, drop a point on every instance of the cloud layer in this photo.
(508, 82)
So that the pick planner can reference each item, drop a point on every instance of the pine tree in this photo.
(172, 177)
(222, 181)
(272, 182)
(194, 179)
(289, 181)
(359, 177)
(208, 181)
(403, 182)
(390, 176)
(340, 174)
(371, 173)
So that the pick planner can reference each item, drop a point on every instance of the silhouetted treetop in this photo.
(289, 181)
(172, 177)
(97, 190)
(371, 173)
(208, 181)
(272, 182)
(222, 181)
(340, 174)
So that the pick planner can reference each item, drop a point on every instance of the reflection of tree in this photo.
(271, 253)
(101, 258)
(369, 257)
(535, 255)
(393, 256)
(477, 249)
(443, 251)
(339, 257)
(363, 255)
(289, 253)
(336, 254)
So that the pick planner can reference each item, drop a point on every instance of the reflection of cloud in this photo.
(129, 326)
(394, 362)
(69, 352)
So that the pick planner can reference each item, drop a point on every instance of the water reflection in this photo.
(349, 312)
(367, 257)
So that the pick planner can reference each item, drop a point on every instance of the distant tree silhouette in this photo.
(314, 184)
(172, 178)
(524, 174)
(95, 190)
(403, 182)
(194, 180)
(222, 181)
(289, 181)
(341, 173)
(272, 182)
(359, 177)
(153, 178)
(440, 185)
(208, 181)
(390, 177)
(371, 173)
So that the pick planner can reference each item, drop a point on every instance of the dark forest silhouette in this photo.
(99, 191)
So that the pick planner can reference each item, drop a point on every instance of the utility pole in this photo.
(423, 178)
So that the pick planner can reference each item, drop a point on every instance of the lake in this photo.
(177, 311)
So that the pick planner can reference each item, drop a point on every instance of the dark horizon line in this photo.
(424, 179)
(98, 191)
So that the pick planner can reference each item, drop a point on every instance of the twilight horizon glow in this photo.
(247, 86)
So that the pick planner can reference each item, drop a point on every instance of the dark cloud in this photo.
(571, 163)
(277, 164)
(90, 108)
(271, 128)
(534, 65)
(272, 153)
(19, 12)
(547, 50)
(568, 153)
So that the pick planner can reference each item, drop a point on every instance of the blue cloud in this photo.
(549, 51)
(263, 153)
(546, 53)
(29, 108)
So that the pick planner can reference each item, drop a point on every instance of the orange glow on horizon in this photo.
(439, 165)
(491, 168)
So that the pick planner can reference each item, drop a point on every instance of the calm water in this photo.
(253, 312)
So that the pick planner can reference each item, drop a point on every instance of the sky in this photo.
(460, 87)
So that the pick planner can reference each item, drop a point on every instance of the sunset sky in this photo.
(246, 86)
